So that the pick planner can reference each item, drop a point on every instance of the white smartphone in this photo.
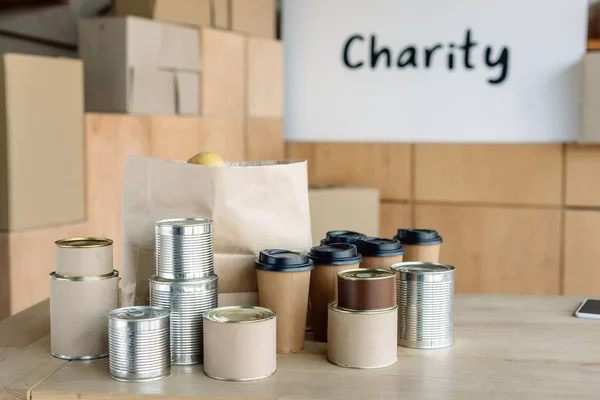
(590, 308)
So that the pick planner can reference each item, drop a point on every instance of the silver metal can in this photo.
(138, 344)
(188, 300)
(184, 248)
(240, 343)
(425, 294)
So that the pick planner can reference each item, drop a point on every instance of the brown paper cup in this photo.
(286, 293)
(423, 253)
(380, 262)
(323, 290)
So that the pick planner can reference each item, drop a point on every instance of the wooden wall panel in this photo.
(110, 138)
(224, 136)
(496, 249)
(582, 253)
(394, 216)
(382, 165)
(582, 171)
(490, 173)
(264, 139)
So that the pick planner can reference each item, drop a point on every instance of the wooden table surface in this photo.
(507, 347)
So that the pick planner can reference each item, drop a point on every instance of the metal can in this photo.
(184, 248)
(362, 339)
(188, 300)
(366, 289)
(78, 308)
(138, 344)
(425, 294)
(240, 343)
(84, 257)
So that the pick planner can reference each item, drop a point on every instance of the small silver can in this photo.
(138, 344)
(184, 248)
(188, 300)
(240, 343)
(425, 295)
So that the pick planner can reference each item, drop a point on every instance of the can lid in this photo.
(278, 260)
(421, 268)
(418, 236)
(342, 237)
(83, 242)
(366, 274)
(183, 226)
(379, 247)
(239, 314)
(335, 254)
(138, 313)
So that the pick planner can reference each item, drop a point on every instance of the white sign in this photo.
(433, 70)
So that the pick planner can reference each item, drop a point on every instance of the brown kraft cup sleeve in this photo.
(286, 293)
(380, 262)
(367, 294)
(429, 253)
(323, 290)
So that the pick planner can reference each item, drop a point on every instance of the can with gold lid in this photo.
(138, 344)
(240, 343)
(366, 289)
(84, 257)
(362, 339)
(78, 308)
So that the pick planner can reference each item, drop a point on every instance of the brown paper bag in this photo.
(254, 206)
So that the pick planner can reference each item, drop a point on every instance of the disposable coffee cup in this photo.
(379, 253)
(349, 237)
(283, 285)
(329, 259)
(420, 244)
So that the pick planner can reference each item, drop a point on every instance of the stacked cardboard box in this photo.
(42, 182)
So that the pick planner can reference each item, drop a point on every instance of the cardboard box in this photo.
(135, 65)
(42, 179)
(590, 98)
(265, 78)
(254, 17)
(224, 65)
(188, 12)
(350, 208)
(221, 11)
(50, 23)
(10, 44)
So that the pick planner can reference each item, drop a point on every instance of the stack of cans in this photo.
(185, 282)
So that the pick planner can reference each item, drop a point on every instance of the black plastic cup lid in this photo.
(377, 247)
(342, 237)
(418, 236)
(335, 254)
(279, 260)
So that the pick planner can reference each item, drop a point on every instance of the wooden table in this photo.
(507, 347)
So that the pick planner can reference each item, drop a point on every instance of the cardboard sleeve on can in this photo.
(380, 262)
(423, 253)
(362, 339)
(79, 316)
(286, 293)
(323, 290)
(240, 351)
(79, 262)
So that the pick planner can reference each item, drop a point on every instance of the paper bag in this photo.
(254, 206)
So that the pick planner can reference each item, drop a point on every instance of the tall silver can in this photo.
(138, 344)
(425, 295)
(184, 248)
(188, 300)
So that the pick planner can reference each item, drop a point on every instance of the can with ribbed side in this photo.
(138, 344)
(184, 248)
(425, 294)
(188, 300)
